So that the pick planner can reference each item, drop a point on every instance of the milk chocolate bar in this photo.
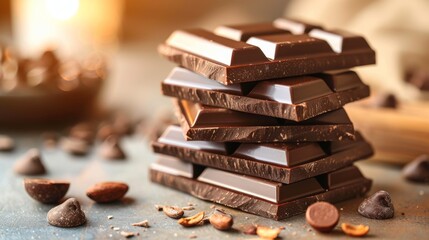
(263, 53)
(258, 196)
(200, 122)
(280, 162)
(293, 98)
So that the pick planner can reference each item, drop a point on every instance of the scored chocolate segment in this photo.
(294, 26)
(340, 40)
(244, 32)
(283, 46)
(341, 80)
(201, 122)
(340, 178)
(173, 135)
(177, 167)
(268, 190)
(289, 154)
(211, 46)
(199, 115)
(291, 91)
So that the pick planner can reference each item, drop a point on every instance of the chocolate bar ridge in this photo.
(255, 205)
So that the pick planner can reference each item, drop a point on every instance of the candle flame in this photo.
(62, 9)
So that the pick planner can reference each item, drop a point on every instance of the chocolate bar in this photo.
(200, 122)
(266, 54)
(281, 162)
(294, 98)
(257, 196)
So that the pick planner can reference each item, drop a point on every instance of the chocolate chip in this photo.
(45, 190)
(377, 206)
(83, 131)
(6, 143)
(385, 100)
(74, 146)
(322, 216)
(105, 130)
(417, 170)
(30, 164)
(107, 191)
(67, 214)
(111, 149)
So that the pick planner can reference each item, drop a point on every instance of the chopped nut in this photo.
(128, 234)
(249, 230)
(116, 229)
(355, 230)
(188, 208)
(192, 236)
(173, 211)
(144, 223)
(110, 217)
(221, 220)
(267, 233)
(192, 220)
(158, 207)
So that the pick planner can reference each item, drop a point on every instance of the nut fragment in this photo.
(249, 230)
(144, 223)
(158, 207)
(221, 220)
(128, 234)
(355, 230)
(192, 220)
(267, 233)
(188, 208)
(173, 211)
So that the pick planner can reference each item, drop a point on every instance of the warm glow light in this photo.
(62, 9)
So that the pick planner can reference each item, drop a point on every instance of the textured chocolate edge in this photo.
(255, 205)
(265, 134)
(296, 112)
(267, 70)
(265, 170)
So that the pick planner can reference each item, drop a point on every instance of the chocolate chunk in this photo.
(45, 190)
(67, 214)
(30, 164)
(385, 100)
(106, 192)
(6, 143)
(111, 149)
(75, 146)
(207, 123)
(322, 216)
(265, 55)
(285, 98)
(377, 206)
(417, 170)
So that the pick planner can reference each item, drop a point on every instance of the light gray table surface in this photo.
(23, 218)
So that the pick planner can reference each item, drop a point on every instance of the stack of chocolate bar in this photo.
(262, 124)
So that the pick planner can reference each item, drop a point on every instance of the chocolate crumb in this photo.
(128, 234)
